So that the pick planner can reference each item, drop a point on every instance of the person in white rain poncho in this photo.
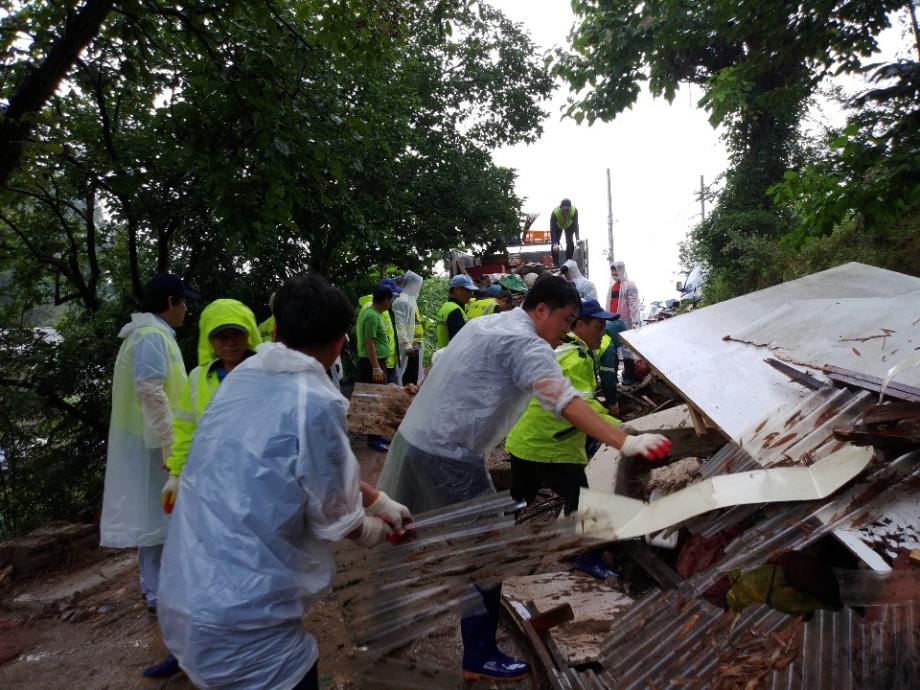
(269, 482)
(624, 300)
(148, 379)
(585, 287)
(473, 395)
(410, 332)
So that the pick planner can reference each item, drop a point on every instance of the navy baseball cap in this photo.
(463, 281)
(592, 308)
(390, 283)
(565, 203)
(169, 285)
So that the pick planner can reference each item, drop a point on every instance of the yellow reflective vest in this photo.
(541, 436)
(481, 307)
(564, 222)
(441, 318)
(267, 329)
(203, 380)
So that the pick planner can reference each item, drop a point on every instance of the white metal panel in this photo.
(727, 380)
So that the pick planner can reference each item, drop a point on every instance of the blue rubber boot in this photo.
(166, 668)
(481, 658)
(592, 563)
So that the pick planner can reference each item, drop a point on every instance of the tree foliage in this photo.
(236, 143)
(757, 63)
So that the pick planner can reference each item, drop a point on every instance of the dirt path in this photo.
(104, 641)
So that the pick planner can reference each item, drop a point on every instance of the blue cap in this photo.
(390, 283)
(463, 281)
(492, 291)
(592, 308)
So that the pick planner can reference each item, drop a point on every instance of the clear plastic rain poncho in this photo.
(584, 286)
(473, 395)
(270, 481)
(629, 308)
(148, 379)
(404, 309)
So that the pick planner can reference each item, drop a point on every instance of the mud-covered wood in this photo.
(377, 409)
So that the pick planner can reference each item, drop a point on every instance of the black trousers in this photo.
(556, 238)
(564, 478)
(410, 375)
(310, 681)
(366, 370)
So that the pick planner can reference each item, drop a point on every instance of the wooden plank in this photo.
(868, 382)
(595, 604)
(377, 409)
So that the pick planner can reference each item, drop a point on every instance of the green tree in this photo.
(236, 143)
(757, 63)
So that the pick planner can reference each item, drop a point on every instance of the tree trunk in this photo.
(40, 83)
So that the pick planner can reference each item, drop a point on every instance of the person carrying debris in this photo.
(147, 382)
(585, 287)
(438, 456)
(563, 219)
(410, 332)
(452, 315)
(262, 496)
(547, 450)
(624, 300)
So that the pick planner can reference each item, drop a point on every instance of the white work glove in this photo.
(409, 349)
(379, 376)
(169, 493)
(396, 515)
(373, 531)
(648, 446)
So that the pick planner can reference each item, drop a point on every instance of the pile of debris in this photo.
(779, 545)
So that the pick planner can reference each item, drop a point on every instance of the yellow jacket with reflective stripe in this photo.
(541, 436)
(203, 380)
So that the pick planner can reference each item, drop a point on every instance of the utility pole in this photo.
(609, 220)
(702, 199)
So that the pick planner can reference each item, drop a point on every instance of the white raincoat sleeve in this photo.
(632, 303)
(151, 364)
(535, 369)
(329, 474)
(404, 314)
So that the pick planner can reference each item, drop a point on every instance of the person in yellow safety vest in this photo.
(549, 450)
(563, 219)
(227, 334)
(452, 315)
(387, 316)
(494, 300)
(147, 381)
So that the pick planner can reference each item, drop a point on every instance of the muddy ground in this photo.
(104, 641)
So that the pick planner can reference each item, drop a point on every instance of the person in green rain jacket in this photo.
(365, 303)
(547, 450)
(227, 334)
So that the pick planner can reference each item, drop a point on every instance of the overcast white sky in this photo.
(656, 153)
